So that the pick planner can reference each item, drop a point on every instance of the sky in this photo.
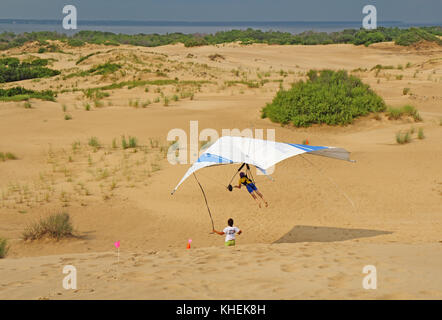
(411, 11)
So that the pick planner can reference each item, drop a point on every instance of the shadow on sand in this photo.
(326, 234)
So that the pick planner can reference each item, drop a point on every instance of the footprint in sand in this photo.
(207, 269)
(337, 281)
(50, 265)
(288, 268)
(109, 255)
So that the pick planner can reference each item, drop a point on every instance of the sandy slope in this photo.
(324, 270)
(310, 242)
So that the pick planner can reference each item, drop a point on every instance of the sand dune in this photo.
(307, 270)
(309, 243)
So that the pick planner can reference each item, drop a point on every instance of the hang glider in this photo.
(262, 154)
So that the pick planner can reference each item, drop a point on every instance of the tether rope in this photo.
(205, 199)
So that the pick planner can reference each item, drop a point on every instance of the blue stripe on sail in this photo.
(306, 148)
(208, 157)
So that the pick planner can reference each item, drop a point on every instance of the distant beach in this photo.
(163, 27)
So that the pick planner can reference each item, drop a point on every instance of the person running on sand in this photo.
(251, 188)
(230, 232)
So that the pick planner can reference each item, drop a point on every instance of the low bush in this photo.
(11, 69)
(55, 226)
(330, 97)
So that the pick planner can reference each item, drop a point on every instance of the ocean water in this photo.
(163, 27)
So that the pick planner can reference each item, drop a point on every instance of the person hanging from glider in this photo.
(261, 154)
(251, 188)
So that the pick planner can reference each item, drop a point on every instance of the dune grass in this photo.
(4, 248)
(407, 110)
(7, 156)
(93, 142)
(403, 137)
(420, 134)
(132, 142)
(22, 94)
(55, 226)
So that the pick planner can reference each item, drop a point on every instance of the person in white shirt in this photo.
(230, 232)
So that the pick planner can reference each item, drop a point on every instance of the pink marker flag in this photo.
(117, 244)
(190, 240)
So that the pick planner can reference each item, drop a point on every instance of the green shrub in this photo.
(75, 43)
(195, 42)
(20, 94)
(330, 97)
(55, 226)
(11, 69)
(405, 91)
(67, 117)
(4, 248)
(415, 35)
(420, 134)
(247, 36)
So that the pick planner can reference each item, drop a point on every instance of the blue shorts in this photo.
(251, 187)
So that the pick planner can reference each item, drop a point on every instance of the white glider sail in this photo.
(262, 154)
